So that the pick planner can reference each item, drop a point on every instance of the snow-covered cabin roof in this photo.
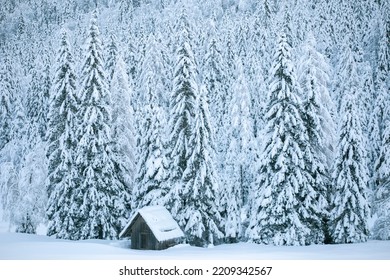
(160, 222)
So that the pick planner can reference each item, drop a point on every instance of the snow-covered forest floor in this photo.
(20, 246)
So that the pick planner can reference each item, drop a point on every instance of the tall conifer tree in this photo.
(282, 196)
(381, 229)
(215, 80)
(62, 143)
(198, 211)
(382, 98)
(124, 137)
(182, 113)
(239, 156)
(349, 203)
(99, 192)
(320, 127)
(6, 100)
(152, 164)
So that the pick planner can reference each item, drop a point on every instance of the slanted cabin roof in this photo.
(160, 222)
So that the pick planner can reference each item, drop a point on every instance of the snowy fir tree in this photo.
(381, 132)
(149, 186)
(192, 197)
(367, 89)
(256, 76)
(6, 100)
(123, 135)
(112, 57)
(182, 114)
(62, 144)
(198, 212)
(283, 199)
(98, 195)
(215, 77)
(152, 163)
(38, 97)
(317, 106)
(237, 172)
(350, 211)
(381, 229)
(155, 77)
(381, 98)
(314, 78)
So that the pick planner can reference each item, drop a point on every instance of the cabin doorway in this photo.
(144, 239)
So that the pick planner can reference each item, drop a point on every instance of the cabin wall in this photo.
(142, 237)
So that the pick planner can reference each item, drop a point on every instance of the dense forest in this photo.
(261, 121)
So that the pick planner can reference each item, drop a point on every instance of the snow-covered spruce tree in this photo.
(111, 58)
(324, 26)
(239, 158)
(155, 74)
(343, 23)
(350, 209)
(381, 98)
(381, 229)
(283, 199)
(38, 97)
(366, 106)
(314, 73)
(265, 10)
(123, 135)
(367, 90)
(151, 168)
(317, 106)
(215, 80)
(132, 55)
(198, 212)
(241, 34)
(229, 58)
(380, 133)
(133, 58)
(346, 35)
(6, 100)
(300, 21)
(192, 197)
(259, 62)
(182, 114)
(99, 191)
(62, 142)
(6, 120)
(152, 164)
(126, 11)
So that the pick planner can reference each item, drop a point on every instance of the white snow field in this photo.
(27, 256)
(17, 246)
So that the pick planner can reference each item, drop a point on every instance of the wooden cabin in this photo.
(152, 228)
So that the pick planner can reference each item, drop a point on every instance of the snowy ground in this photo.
(16, 246)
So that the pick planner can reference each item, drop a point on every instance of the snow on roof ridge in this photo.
(160, 222)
